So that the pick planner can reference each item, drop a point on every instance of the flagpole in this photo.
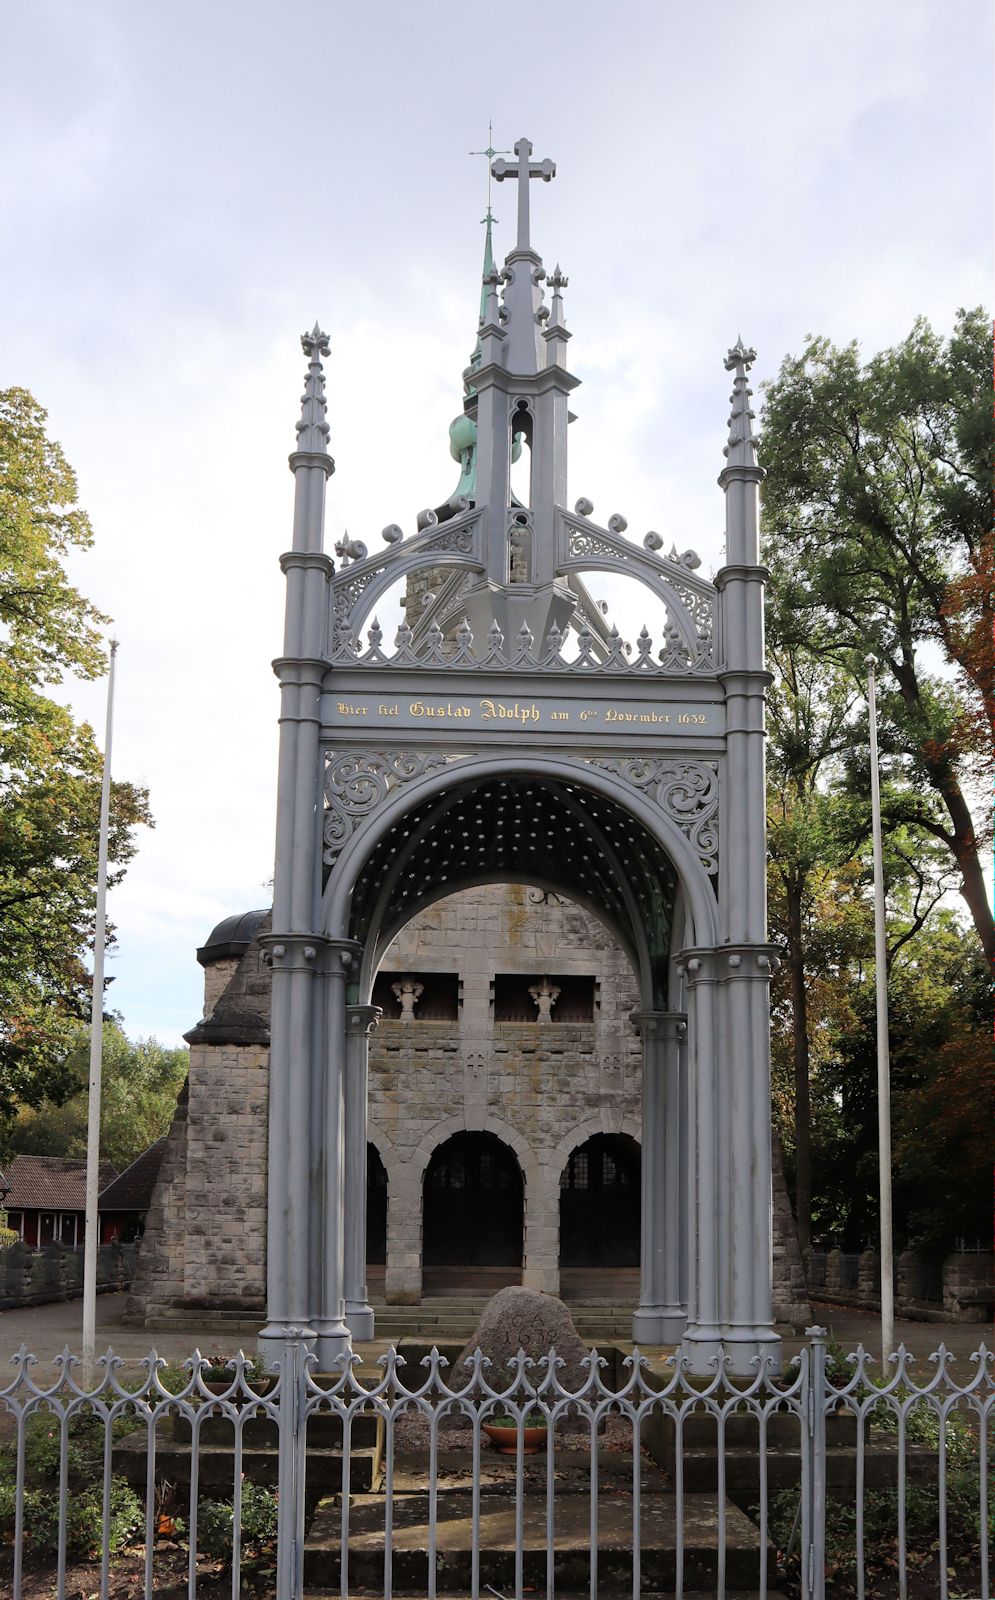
(884, 1063)
(91, 1238)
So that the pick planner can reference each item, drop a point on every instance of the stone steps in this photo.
(260, 1457)
(571, 1543)
(216, 1470)
(453, 1318)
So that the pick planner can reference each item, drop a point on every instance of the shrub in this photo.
(84, 1519)
(216, 1521)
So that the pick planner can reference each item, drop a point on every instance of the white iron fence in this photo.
(613, 1476)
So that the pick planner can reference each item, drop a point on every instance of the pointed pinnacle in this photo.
(740, 356)
(315, 343)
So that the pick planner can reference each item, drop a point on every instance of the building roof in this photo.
(231, 938)
(51, 1183)
(132, 1191)
(241, 1016)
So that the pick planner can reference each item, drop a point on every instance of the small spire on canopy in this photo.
(741, 451)
(313, 429)
(488, 274)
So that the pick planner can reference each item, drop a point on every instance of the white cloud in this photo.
(186, 188)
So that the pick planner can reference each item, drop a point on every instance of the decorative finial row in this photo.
(313, 429)
(741, 450)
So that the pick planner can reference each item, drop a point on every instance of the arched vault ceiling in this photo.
(524, 830)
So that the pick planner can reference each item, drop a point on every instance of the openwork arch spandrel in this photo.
(571, 820)
(368, 795)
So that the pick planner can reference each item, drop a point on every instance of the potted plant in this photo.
(501, 1426)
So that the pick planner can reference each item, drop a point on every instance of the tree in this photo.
(877, 508)
(140, 1082)
(50, 766)
(810, 727)
(940, 1004)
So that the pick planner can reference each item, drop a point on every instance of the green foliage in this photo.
(140, 1082)
(941, 1074)
(84, 1519)
(50, 766)
(84, 1502)
(216, 1522)
(880, 1507)
(877, 515)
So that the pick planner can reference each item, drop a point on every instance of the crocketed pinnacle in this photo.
(313, 429)
(741, 451)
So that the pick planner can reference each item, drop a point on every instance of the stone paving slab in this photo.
(571, 1541)
(571, 1472)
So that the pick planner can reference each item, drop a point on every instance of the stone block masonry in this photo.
(542, 1089)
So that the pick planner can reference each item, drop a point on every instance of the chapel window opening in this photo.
(544, 997)
(405, 996)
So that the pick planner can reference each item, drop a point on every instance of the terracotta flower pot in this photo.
(505, 1439)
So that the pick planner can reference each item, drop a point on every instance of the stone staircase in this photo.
(447, 1318)
(260, 1454)
(700, 1456)
(744, 1555)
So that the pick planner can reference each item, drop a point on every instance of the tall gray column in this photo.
(359, 1021)
(661, 1316)
(295, 947)
(748, 1315)
(289, 1301)
(330, 1326)
(706, 1187)
(744, 962)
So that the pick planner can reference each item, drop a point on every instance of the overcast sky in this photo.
(185, 186)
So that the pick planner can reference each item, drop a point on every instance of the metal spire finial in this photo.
(490, 153)
(741, 450)
(313, 429)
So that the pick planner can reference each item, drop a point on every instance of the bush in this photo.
(216, 1522)
(84, 1519)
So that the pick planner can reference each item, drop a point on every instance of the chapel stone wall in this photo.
(542, 1088)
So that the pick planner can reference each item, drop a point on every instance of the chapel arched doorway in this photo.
(473, 1214)
(600, 1216)
(376, 1217)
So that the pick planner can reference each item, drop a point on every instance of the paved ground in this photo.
(46, 1330)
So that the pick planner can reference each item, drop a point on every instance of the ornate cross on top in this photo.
(523, 169)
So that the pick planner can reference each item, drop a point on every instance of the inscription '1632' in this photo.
(526, 714)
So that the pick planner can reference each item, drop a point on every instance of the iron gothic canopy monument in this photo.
(508, 736)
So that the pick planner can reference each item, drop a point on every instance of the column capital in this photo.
(291, 952)
(308, 952)
(751, 681)
(741, 572)
(660, 1024)
(362, 1019)
(311, 458)
(314, 560)
(726, 962)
